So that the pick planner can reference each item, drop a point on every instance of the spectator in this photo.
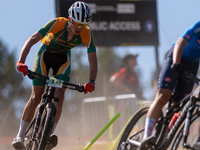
(125, 81)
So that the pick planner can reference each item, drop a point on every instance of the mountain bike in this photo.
(184, 132)
(37, 135)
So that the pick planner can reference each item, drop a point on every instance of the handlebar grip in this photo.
(30, 74)
(80, 88)
(186, 77)
(179, 68)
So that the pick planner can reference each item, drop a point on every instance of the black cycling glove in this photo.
(179, 68)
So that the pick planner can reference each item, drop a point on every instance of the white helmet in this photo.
(80, 12)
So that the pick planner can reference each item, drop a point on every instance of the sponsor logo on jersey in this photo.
(150, 128)
(197, 30)
(167, 79)
(61, 40)
(198, 41)
(187, 36)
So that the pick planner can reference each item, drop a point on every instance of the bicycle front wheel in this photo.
(135, 126)
(48, 124)
(193, 133)
(30, 144)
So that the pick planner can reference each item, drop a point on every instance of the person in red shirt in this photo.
(125, 81)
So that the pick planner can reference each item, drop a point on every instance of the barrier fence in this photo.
(97, 111)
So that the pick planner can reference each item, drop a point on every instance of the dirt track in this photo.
(73, 144)
(5, 144)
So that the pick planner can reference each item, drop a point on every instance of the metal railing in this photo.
(97, 111)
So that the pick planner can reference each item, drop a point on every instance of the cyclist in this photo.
(57, 37)
(184, 55)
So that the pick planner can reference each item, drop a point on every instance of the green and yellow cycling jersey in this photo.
(54, 40)
(55, 34)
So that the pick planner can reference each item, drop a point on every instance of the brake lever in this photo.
(31, 75)
(80, 88)
(186, 77)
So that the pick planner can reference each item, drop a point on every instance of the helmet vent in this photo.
(78, 15)
(73, 15)
(83, 13)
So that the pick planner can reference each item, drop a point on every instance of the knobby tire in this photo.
(31, 145)
(49, 120)
(132, 122)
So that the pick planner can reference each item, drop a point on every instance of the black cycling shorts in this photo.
(169, 79)
(60, 63)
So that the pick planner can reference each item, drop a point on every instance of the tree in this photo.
(109, 63)
(11, 90)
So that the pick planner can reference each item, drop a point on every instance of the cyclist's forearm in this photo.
(24, 52)
(178, 49)
(93, 66)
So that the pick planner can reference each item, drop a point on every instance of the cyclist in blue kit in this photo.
(184, 55)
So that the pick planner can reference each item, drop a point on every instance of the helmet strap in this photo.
(69, 24)
(70, 28)
(69, 18)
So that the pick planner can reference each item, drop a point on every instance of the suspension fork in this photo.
(50, 96)
(188, 121)
(38, 118)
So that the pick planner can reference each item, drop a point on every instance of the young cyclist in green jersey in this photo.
(57, 37)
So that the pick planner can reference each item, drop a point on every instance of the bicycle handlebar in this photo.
(189, 76)
(53, 82)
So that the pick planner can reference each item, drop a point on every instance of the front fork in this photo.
(188, 121)
(49, 97)
(38, 119)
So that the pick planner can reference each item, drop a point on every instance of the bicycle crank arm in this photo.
(136, 143)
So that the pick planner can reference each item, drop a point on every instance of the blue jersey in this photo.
(191, 52)
(169, 79)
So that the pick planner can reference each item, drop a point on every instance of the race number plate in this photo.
(53, 82)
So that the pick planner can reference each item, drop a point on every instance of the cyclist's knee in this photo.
(162, 97)
(36, 96)
(34, 100)
(60, 94)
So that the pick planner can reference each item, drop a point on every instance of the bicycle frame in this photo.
(188, 108)
(163, 122)
(47, 98)
(186, 114)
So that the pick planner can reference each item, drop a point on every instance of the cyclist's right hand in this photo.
(21, 67)
(89, 87)
(178, 67)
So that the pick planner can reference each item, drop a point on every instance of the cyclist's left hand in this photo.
(89, 87)
(178, 67)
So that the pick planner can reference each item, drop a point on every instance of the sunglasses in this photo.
(79, 25)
